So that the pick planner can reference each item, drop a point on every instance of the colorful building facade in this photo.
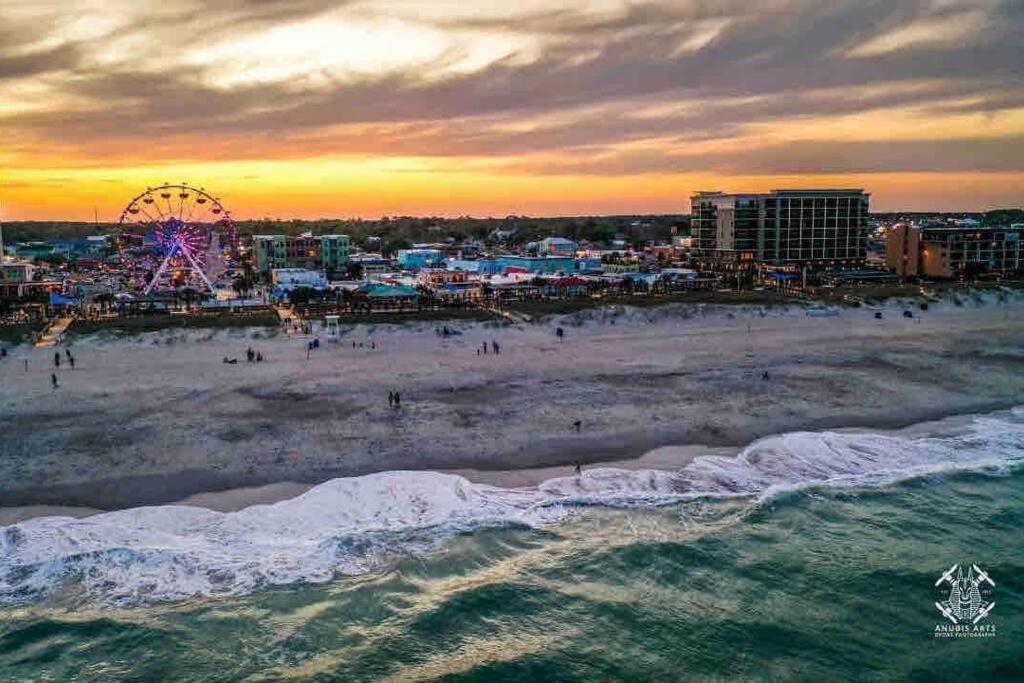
(322, 252)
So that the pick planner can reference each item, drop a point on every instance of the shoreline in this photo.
(223, 494)
(161, 419)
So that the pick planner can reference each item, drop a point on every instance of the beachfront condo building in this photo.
(796, 228)
(322, 252)
(954, 251)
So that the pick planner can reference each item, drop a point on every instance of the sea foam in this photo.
(355, 525)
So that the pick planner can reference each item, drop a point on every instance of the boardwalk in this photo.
(290, 317)
(52, 334)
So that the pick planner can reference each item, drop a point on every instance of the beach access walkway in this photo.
(502, 313)
(286, 314)
(290, 319)
(51, 336)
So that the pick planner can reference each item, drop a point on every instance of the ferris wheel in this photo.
(174, 237)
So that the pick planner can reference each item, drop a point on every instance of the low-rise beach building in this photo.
(372, 264)
(321, 252)
(482, 267)
(557, 246)
(953, 251)
(73, 248)
(414, 259)
(334, 250)
(288, 278)
(17, 271)
(537, 264)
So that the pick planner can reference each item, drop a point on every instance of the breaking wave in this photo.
(355, 525)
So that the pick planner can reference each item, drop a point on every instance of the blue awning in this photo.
(58, 300)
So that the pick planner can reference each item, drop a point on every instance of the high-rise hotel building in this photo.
(815, 228)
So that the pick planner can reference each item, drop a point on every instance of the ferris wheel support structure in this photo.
(177, 248)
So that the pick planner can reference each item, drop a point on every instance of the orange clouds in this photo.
(320, 108)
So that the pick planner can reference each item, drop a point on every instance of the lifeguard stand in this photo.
(333, 329)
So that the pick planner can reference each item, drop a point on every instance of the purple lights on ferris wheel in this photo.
(176, 233)
(175, 237)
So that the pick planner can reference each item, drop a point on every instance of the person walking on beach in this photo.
(560, 333)
(398, 400)
(485, 348)
(495, 347)
(71, 361)
(56, 359)
(577, 425)
(53, 378)
(578, 469)
(391, 399)
(67, 352)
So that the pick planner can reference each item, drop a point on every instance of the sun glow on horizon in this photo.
(394, 107)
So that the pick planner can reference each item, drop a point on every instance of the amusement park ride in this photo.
(174, 237)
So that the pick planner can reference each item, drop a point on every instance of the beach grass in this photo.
(120, 327)
(546, 307)
(19, 334)
(398, 318)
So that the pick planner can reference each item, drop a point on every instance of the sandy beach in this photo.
(159, 417)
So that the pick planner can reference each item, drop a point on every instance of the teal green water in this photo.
(813, 585)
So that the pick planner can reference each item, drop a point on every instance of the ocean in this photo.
(811, 556)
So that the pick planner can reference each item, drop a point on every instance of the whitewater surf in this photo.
(357, 525)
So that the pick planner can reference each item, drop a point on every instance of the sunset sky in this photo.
(310, 108)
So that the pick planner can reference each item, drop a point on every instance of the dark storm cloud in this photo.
(770, 61)
(36, 63)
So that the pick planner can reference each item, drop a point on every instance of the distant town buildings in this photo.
(557, 246)
(73, 248)
(414, 259)
(289, 278)
(322, 252)
(17, 271)
(371, 264)
(953, 251)
(479, 266)
(817, 228)
(537, 264)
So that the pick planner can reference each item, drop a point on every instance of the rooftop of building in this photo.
(706, 194)
(968, 229)
(837, 190)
